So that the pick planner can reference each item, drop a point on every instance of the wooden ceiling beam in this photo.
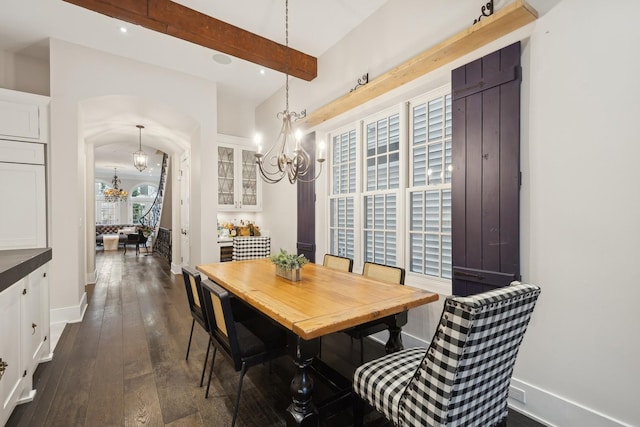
(502, 22)
(179, 21)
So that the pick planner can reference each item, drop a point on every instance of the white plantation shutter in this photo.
(429, 196)
(382, 160)
(342, 207)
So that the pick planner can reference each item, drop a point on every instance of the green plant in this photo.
(287, 261)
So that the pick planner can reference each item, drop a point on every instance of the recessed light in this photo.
(123, 29)
(221, 59)
(262, 72)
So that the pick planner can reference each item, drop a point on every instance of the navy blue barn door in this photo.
(306, 241)
(486, 172)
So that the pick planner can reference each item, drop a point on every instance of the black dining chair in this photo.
(382, 273)
(247, 343)
(193, 286)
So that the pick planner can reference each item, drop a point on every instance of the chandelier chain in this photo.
(286, 62)
(287, 157)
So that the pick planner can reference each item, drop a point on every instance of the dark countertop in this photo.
(18, 263)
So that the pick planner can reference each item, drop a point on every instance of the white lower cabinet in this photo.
(11, 384)
(24, 338)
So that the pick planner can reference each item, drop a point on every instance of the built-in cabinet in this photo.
(23, 138)
(239, 186)
(24, 341)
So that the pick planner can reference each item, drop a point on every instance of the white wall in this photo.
(78, 74)
(24, 73)
(579, 204)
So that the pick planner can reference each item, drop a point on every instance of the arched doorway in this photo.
(111, 121)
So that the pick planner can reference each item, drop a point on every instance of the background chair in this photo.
(193, 286)
(463, 378)
(132, 239)
(382, 273)
(245, 344)
(338, 263)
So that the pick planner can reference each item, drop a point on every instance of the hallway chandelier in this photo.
(287, 157)
(115, 194)
(140, 158)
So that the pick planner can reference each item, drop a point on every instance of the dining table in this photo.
(324, 301)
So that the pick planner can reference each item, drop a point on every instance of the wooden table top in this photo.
(323, 302)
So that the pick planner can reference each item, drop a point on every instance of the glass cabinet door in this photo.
(249, 179)
(226, 184)
(239, 186)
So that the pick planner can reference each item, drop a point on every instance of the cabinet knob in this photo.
(34, 326)
(3, 367)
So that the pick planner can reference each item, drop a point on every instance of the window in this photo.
(429, 194)
(382, 183)
(401, 214)
(343, 194)
(141, 200)
(106, 213)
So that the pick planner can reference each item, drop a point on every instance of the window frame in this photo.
(403, 192)
(438, 284)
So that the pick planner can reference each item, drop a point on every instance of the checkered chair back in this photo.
(463, 380)
(251, 247)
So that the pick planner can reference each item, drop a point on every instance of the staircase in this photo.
(151, 218)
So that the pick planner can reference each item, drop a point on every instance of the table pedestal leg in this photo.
(394, 343)
(302, 412)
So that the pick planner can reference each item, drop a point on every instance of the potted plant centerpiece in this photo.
(288, 265)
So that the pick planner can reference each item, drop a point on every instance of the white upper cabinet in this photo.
(23, 134)
(23, 116)
(239, 186)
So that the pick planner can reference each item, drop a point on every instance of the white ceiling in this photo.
(314, 26)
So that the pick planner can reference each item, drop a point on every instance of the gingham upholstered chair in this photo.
(193, 286)
(463, 378)
(381, 273)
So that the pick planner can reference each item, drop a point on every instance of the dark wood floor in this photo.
(124, 364)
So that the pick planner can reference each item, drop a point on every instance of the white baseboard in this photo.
(26, 398)
(176, 269)
(92, 277)
(541, 405)
(552, 410)
(71, 314)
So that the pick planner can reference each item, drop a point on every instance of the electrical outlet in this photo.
(517, 394)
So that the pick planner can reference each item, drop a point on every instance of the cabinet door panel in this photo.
(24, 225)
(239, 186)
(11, 381)
(21, 152)
(33, 325)
(19, 120)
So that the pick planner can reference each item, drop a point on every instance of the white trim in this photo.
(558, 411)
(92, 277)
(176, 269)
(71, 314)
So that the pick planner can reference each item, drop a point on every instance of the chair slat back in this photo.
(466, 372)
(194, 292)
(222, 325)
(193, 287)
(338, 263)
(383, 273)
